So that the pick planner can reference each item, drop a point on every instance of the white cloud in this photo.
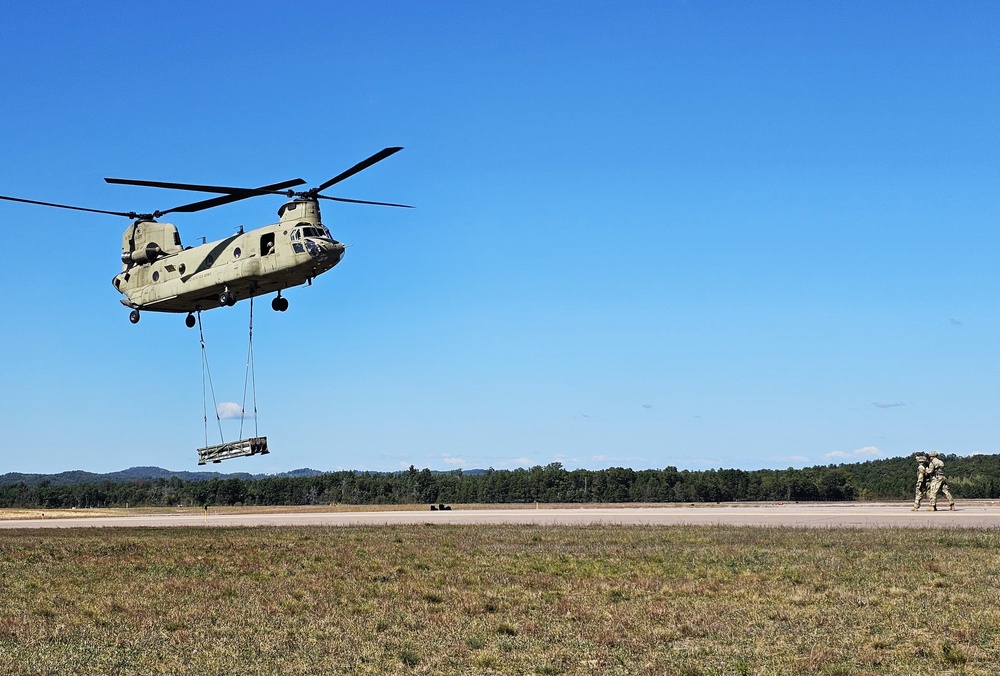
(454, 462)
(229, 410)
(513, 463)
(888, 404)
(707, 462)
(864, 451)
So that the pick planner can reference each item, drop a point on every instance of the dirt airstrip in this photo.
(968, 514)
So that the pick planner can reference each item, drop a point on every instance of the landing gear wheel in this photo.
(227, 298)
(133, 316)
(189, 321)
(279, 304)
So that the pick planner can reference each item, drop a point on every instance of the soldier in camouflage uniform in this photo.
(938, 482)
(923, 479)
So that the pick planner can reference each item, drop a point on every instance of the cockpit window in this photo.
(319, 232)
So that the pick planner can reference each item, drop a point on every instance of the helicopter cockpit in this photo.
(315, 239)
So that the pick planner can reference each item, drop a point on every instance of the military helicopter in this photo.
(159, 274)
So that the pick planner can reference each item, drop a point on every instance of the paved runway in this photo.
(969, 514)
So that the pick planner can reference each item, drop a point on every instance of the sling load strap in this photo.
(250, 377)
(206, 371)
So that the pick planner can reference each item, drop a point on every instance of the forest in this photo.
(975, 476)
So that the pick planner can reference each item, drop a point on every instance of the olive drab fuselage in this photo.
(160, 275)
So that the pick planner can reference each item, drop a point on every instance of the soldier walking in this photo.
(938, 482)
(923, 478)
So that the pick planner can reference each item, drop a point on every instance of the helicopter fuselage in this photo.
(159, 275)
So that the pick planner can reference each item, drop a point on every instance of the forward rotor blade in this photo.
(237, 195)
(360, 166)
(126, 214)
(209, 203)
(205, 188)
(380, 204)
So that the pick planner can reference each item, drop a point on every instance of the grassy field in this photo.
(500, 599)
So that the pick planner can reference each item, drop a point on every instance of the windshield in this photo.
(309, 231)
(315, 232)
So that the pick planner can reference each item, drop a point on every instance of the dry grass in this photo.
(499, 599)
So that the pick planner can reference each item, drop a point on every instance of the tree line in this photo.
(889, 479)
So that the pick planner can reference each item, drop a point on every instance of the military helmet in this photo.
(921, 458)
(934, 454)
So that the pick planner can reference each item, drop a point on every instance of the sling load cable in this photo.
(242, 447)
(249, 376)
(205, 370)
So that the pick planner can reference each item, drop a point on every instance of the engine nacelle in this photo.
(147, 241)
(143, 256)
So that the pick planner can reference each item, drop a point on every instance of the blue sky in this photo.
(700, 234)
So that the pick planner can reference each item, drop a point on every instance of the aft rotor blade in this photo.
(204, 188)
(126, 214)
(381, 204)
(360, 166)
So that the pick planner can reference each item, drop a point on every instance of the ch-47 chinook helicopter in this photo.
(160, 275)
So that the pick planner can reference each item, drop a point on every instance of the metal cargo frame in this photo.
(233, 449)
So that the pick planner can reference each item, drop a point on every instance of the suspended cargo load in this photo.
(234, 449)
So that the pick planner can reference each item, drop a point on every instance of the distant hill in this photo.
(74, 477)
